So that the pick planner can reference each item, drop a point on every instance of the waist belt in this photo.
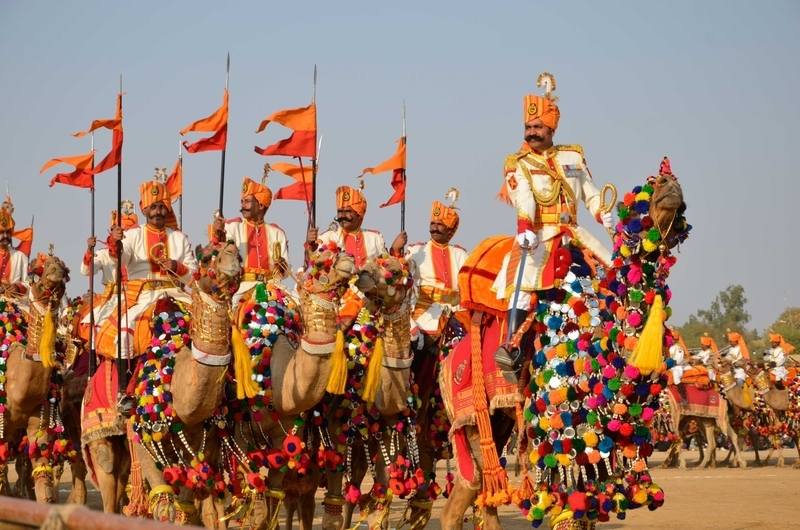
(255, 277)
(429, 295)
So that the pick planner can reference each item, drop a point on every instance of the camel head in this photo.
(220, 270)
(652, 216)
(51, 274)
(328, 270)
(385, 282)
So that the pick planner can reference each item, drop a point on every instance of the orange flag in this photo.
(301, 189)
(303, 140)
(397, 164)
(25, 238)
(114, 156)
(175, 181)
(82, 176)
(217, 123)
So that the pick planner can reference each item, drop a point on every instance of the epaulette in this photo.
(275, 225)
(233, 220)
(458, 247)
(571, 147)
(371, 230)
(512, 160)
(417, 244)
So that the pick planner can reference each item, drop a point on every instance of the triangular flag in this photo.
(397, 164)
(175, 181)
(81, 177)
(303, 140)
(217, 123)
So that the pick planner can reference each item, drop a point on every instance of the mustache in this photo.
(343, 218)
(535, 137)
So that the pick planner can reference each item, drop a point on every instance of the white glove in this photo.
(528, 236)
(607, 219)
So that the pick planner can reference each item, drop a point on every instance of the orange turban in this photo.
(153, 191)
(347, 197)
(785, 346)
(736, 339)
(444, 214)
(259, 191)
(708, 341)
(541, 107)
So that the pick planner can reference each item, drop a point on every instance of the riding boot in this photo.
(509, 359)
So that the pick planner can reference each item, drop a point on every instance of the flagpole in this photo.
(405, 190)
(122, 372)
(92, 350)
(314, 160)
(180, 199)
(222, 165)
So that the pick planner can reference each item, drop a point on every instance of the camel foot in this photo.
(781, 463)
(796, 465)
(332, 521)
(77, 495)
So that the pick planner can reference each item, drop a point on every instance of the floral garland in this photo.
(13, 328)
(589, 407)
(155, 423)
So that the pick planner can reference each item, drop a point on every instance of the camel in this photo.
(299, 376)
(196, 388)
(769, 405)
(28, 369)
(665, 215)
(709, 425)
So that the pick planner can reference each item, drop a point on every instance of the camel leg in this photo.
(306, 504)
(333, 521)
(78, 493)
(777, 446)
(102, 453)
(122, 468)
(735, 450)
(23, 488)
(359, 471)
(461, 498)
(709, 460)
(796, 465)
(43, 479)
(212, 509)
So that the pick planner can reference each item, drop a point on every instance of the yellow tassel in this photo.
(242, 369)
(338, 376)
(747, 395)
(373, 373)
(47, 342)
(647, 356)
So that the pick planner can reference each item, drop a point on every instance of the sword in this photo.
(524, 249)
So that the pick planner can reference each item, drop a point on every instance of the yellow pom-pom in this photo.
(648, 245)
(642, 196)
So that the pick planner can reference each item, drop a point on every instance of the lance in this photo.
(180, 199)
(122, 369)
(314, 160)
(403, 202)
(92, 349)
(222, 164)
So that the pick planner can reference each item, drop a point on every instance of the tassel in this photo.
(137, 499)
(373, 373)
(647, 356)
(245, 387)
(338, 376)
(47, 342)
(747, 395)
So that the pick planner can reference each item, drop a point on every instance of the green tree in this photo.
(788, 325)
(727, 311)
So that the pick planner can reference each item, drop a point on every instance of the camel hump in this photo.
(479, 272)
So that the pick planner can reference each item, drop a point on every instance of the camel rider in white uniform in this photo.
(775, 358)
(738, 355)
(545, 184)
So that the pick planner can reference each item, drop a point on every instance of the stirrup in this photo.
(126, 405)
(509, 361)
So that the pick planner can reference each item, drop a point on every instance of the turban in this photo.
(129, 220)
(736, 339)
(785, 346)
(260, 192)
(541, 107)
(708, 342)
(6, 219)
(152, 192)
(444, 214)
(347, 197)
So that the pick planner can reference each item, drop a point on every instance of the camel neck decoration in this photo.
(13, 329)
(597, 372)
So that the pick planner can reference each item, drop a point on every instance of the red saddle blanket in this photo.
(698, 401)
(456, 382)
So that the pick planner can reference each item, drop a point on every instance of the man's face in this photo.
(349, 219)
(440, 233)
(156, 214)
(775, 343)
(5, 239)
(251, 209)
(538, 135)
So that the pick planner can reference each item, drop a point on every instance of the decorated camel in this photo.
(28, 364)
(590, 381)
(294, 380)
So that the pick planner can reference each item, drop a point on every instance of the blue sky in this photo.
(711, 84)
